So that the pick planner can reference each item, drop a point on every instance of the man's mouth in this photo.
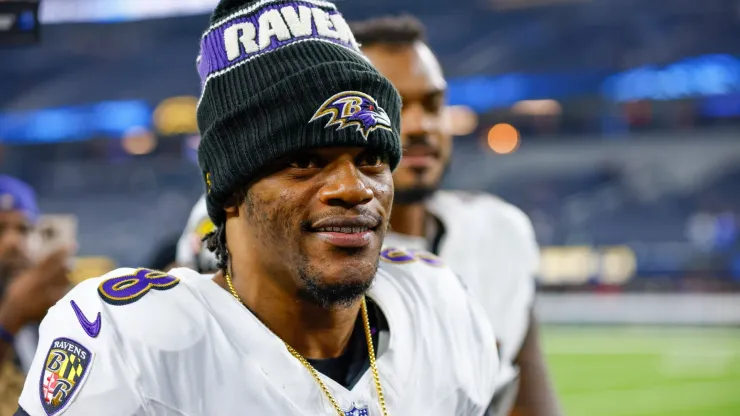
(344, 230)
(348, 232)
(419, 156)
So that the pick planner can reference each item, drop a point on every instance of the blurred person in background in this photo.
(487, 241)
(29, 289)
(191, 249)
(165, 258)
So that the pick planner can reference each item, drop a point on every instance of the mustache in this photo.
(414, 140)
(359, 211)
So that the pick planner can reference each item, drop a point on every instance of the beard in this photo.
(414, 194)
(419, 191)
(314, 284)
(333, 295)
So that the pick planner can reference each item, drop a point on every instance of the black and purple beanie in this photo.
(280, 76)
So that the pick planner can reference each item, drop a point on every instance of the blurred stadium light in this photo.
(537, 108)
(84, 267)
(709, 75)
(73, 123)
(139, 141)
(19, 22)
(176, 115)
(68, 11)
(503, 138)
(578, 265)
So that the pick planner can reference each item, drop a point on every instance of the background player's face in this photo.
(321, 219)
(14, 243)
(417, 76)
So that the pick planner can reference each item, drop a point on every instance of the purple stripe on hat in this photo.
(267, 29)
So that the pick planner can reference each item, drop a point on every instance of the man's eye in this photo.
(304, 162)
(371, 159)
(434, 104)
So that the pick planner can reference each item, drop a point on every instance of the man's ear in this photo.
(231, 206)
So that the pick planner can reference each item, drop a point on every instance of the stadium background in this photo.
(615, 124)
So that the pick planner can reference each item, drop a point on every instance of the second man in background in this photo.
(487, 241)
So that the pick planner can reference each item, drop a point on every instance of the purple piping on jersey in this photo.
(91, 328)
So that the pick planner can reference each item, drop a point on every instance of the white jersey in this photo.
(491, 245)
(191, 251)
(137, 342)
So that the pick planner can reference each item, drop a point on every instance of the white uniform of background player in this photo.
(191, 251)
(189, 348)
(491, 245)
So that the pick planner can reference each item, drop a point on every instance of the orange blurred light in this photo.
(537, 108)
(139, 141)
(503, 138)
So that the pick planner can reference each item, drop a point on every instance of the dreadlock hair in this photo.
(216, 240)
(216, 243)
(401, 30)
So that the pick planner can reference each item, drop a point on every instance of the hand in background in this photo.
(30, 294)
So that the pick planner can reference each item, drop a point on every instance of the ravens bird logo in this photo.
(353, 108)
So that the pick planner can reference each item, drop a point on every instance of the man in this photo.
(191, 250)
(487, 241)
(27, 290)
(300, 135)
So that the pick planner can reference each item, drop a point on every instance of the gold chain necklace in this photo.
(315, 374)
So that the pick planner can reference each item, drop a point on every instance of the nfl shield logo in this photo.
(357, 411)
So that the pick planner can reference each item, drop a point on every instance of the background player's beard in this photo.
(419, 191)
(414, 194)
(341, 295)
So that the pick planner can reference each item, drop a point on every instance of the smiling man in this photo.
(488, 242)
(299, 139)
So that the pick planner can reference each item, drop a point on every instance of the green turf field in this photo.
(621, 371)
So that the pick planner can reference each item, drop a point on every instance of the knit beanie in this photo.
(279, 77)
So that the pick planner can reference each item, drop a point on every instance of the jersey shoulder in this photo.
(443, 316)
(425, 272)
(484, 205)
(134, 304)
(490, 221)
(424, 281)
(129, 286)
(411, 263)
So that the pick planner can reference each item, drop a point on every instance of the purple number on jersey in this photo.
(397, 255)
(427, 258)
(129, 288)
(401, 256)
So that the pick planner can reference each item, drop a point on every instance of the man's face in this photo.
(417, 76)
(321, 219)
(14, 243)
